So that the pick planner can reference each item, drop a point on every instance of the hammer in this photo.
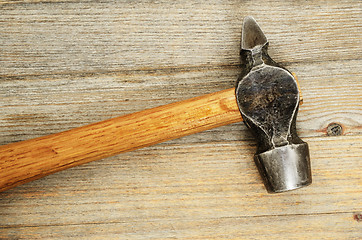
(266, 97)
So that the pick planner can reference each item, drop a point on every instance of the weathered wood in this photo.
(314, 226)
(64, 64)
(42, 107)
(90, 37)
(189, 190)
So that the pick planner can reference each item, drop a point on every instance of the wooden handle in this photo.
(25, 161)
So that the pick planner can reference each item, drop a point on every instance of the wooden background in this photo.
(68, 63)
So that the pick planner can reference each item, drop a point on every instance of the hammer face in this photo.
(285, 168)
(268, 99)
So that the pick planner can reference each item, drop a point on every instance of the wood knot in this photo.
(357, 217)
(334, 129)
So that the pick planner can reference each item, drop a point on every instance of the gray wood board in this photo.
(64, 64)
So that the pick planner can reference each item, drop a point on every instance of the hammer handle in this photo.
(28, 160)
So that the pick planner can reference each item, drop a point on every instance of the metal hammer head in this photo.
(268, 98)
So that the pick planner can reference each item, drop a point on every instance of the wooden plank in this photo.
(215, 186)
(35, 108)
(93, 37)
(321, 226)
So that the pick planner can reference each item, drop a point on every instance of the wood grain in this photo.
(64, 64)
(25, 161)
(213, 190)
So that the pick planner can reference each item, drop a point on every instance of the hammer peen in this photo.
(266, 97)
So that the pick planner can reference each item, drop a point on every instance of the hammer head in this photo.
(268, 98)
